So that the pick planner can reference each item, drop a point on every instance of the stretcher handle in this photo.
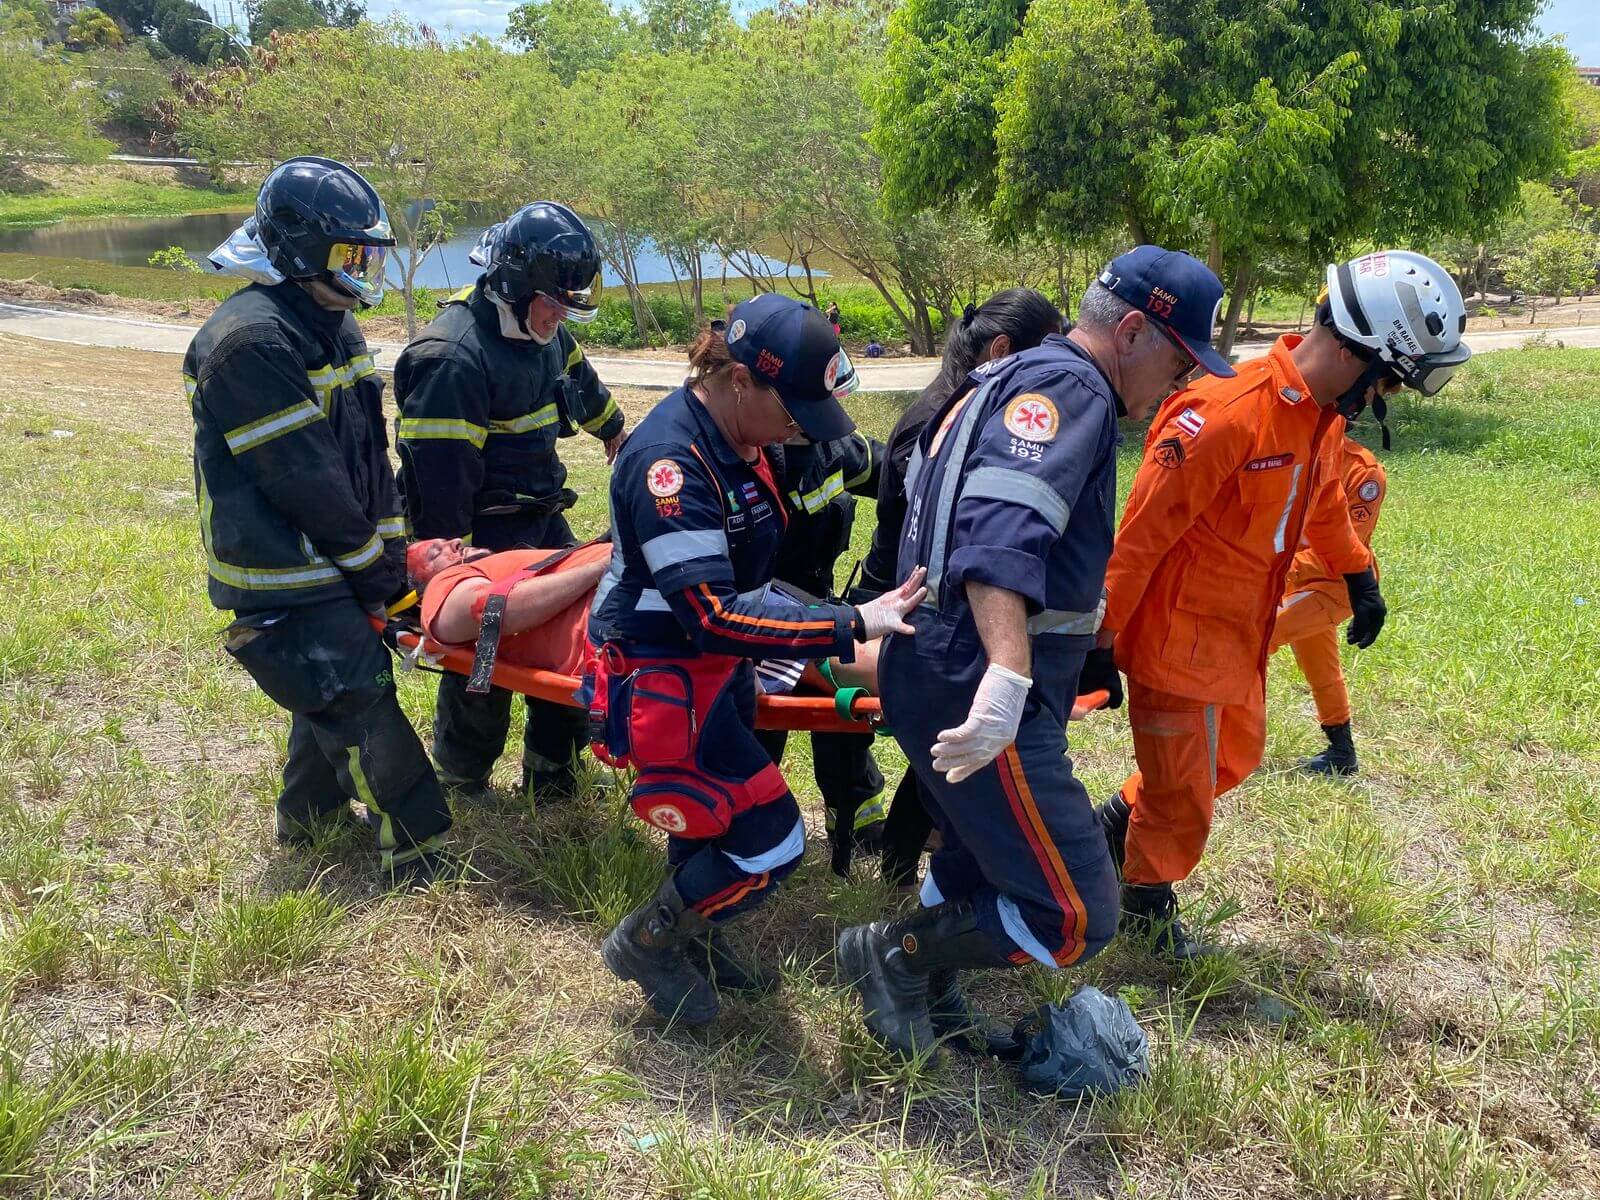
(1088, 703)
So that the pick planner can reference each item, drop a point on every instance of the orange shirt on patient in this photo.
(556, 645)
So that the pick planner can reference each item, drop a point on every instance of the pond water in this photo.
(130, 241)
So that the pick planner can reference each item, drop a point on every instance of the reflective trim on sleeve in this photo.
(651, 600)
(682, 545)
(574, 357)
(442, 429)
(1065, 620)
(393, 527)
(1017, 487)
(256, 579)
(596, 424)
(866, 443)
(1283, 520)
(360, 559)
(527, 422)
(274, 425)
(191, 385)
(817, 498)
(786, 851)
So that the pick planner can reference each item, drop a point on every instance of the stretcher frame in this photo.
(796, 714)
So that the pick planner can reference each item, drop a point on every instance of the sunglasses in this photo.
(1190, 365)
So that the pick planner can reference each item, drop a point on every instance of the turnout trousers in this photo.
(1308, 621)
(848, 778)
(469, 731)
(1020, 839)
(348, 738)
(1189, 753)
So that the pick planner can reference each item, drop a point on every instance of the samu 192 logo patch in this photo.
(1033, 418)
(667, 817)
(1369, 490)
(664, 478)
(1168, 453)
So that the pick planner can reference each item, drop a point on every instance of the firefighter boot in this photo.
(651, 947)
(1340, 756)
(1150, 914)
(965, 1028)
(888, 963)
(1113, 816)
(715, 958)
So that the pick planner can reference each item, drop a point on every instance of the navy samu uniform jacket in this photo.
(291, 466)
(479, 417)
(820, 482)
(1016, 486)
(695, 534)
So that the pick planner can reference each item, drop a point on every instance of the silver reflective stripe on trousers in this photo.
(1014, 487)
(669, 548)
(949, 484)
(1283, 520)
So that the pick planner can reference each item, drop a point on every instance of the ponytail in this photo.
(1021, 314)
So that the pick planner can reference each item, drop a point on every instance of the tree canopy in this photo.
(44, 108)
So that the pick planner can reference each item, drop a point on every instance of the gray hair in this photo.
(1101, 309)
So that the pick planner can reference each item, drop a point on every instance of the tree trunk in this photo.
(1236, 298)
(1250, 313)
(1214, 253)
(408, 286)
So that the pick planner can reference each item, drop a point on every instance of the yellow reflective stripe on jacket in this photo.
(528, 422)
(816, 500)
(463, 295)
(274, 425)
(866, 471)
(596, 424)
(324, 379)
(424, 429)
(575, 357)
(393, 527)
(191, 385)
(360, 559)
(257, 579)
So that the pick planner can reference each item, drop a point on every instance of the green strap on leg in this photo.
(845, 697)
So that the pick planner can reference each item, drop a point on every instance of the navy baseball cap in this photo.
(1177, 290)
(791, 347)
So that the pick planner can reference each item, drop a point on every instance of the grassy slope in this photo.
(114, 196)
(1411, 1010)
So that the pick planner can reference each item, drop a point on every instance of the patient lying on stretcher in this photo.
(547, 614)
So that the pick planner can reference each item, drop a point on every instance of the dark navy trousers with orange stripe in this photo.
(724, 876)
(1020, 840)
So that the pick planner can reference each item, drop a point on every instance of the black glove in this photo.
(1099, 673)
(1366, 607)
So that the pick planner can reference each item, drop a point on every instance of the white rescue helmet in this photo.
(1405, 309)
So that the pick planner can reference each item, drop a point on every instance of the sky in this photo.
(1574, 18)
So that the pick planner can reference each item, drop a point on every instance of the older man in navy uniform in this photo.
(1012, 493)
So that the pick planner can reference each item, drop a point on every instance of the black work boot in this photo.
(965, 1028)
(420, 872)
(545, 788)
(653, 946)
(1113, 816)
(888, 963)
(465, 791)
(297, 829)
(714, 958)
(1150, 913)
(1340, 756)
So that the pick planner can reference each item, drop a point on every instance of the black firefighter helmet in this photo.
(319, 219)
(544, 249)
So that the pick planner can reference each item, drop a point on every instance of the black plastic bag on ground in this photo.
(1089, 1046)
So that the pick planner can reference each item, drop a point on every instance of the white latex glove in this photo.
(887, 613)
(990, 727)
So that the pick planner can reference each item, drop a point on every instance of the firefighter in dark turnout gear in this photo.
(820, 482)
(298, 511)
(484, 392)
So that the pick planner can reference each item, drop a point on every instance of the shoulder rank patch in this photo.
(1369, 490)
(1033, 418)
(664, 478)
(1270, 463)
(1168, 453)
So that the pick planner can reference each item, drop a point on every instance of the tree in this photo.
(133, 84)
(289, 16)
(427, 123)
(25, 20)
(182, 26)
(1252, 131)
(574, 36)
(1559, 262)
(92, 28)
(692, 25)
(45, 108)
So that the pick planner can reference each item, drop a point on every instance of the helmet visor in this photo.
(358, 268)
(1430, 372)
(580, 304)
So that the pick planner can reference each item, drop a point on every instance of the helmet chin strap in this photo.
(1353, 402)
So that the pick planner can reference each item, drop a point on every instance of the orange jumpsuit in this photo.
(1235, 472)
(1315, 602)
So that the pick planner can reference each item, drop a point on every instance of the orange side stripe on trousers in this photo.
(1075, 919)
(741, 890)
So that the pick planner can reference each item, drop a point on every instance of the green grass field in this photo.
(114, 194)
(1410, 1005)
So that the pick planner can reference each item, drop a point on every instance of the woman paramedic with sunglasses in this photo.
(678, 619)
